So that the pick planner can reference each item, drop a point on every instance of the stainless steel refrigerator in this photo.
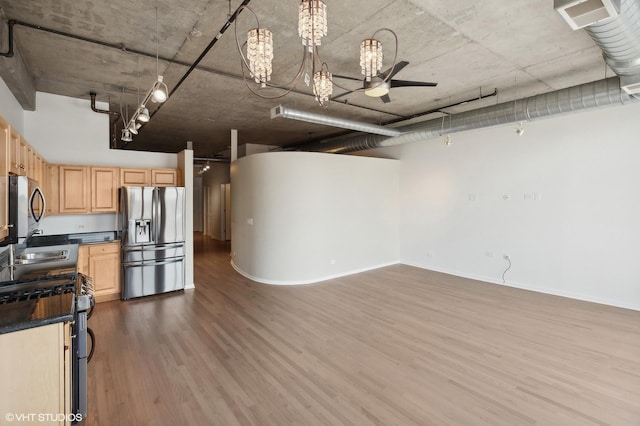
(153, 234)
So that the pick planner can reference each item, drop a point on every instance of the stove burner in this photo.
(37, 288)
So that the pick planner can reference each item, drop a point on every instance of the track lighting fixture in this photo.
(447, 140)
(158, 94)
(520, 129)
(143, 114)
(159, 91)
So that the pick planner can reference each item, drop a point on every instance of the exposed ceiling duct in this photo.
(594, 95)
(613, 24)
(294, 114)
(619, 39)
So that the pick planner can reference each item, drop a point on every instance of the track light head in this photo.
(143, 115)
(159, 91)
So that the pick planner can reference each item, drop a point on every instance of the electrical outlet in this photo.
(489, 253)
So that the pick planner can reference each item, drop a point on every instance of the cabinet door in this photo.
(104, 189)
(135, 177)
(74, 189)
(38, 387)
(83, 260)
(51, 188)
(104, 267)
(15, 165)
(5, 131)
(164, 177)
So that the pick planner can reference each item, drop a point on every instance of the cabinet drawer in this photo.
(98, 249)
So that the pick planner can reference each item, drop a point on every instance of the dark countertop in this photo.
(81, 239)
(18, 316)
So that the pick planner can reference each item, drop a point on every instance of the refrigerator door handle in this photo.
(152, 263)
(154, 212)
(158, 247)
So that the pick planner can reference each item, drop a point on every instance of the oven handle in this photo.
(152, 262)
(93, 343)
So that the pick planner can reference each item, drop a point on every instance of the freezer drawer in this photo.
(152, 252)
(147, 278)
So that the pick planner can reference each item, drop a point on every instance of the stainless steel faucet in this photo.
(31, 234)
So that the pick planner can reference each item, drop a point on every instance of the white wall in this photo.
(562, 201)
(66, 131)
(10, 108)
(300, 217)
(212, 179)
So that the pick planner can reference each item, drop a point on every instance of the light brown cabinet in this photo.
(135, 177)
(74, 189)
(45, 386)
(16, 156)
(5, 131)
(51, 188)
(102, 263)
(164, 177)
(104, 189)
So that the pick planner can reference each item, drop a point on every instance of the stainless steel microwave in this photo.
(26, 208)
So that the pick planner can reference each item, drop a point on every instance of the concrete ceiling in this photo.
(520, 47)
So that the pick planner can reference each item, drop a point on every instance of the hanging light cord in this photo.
(508, 259)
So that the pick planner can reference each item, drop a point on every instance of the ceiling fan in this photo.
(379, 88)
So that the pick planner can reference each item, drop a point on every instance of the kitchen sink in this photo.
(39, 256)
(32, 262)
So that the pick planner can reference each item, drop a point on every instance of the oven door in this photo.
(152, 277)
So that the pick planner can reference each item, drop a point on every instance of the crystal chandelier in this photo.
(322, 86)
(260, 54)
(312, 26)
(370, 58)
(312, 22)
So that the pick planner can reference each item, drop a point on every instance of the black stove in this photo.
(37, 288)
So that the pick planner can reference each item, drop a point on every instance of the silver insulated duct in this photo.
(599, 94)
(613, 24)
(619, 39)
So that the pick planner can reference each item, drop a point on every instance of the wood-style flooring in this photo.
(394, 346)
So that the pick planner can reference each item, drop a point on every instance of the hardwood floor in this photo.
(395, 346)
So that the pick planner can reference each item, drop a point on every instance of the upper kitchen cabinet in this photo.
(164, 177)
(5, 131)
(74, 189)
(104, 189)
(135, 177)
(17, 153)
(51, 188)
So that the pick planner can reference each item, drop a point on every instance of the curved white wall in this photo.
(300, 217)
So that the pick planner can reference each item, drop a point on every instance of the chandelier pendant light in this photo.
(370, 58)
(322, 85)
(312, 22)
(260, 54)
(312, 26)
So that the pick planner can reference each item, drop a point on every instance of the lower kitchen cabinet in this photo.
(36, 374)
(102, 263)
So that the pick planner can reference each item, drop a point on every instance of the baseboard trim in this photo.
(523, 286)
(309, 281)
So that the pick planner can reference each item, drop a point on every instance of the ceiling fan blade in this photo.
(347, 78)
(393, 71)
(405, 83)
(385, 98)
(342, 94)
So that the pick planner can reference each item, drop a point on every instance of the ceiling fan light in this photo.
(159, 91)
(312, 22)
(370, 58)
(143, 115)
(377, 90)
(260, 54)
